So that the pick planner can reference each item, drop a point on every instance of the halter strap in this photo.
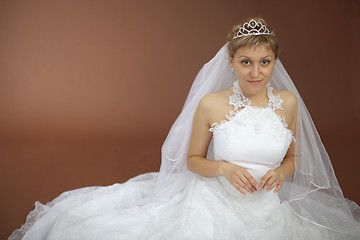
(238, 100)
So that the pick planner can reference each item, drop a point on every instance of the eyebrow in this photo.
(249, 57)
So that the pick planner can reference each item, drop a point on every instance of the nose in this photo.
(255, 71)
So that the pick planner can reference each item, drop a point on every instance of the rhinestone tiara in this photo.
(252, 28)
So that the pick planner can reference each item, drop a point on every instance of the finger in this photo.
(251, 179)
(241, 184)
(264, 180)
(245, 186)
(237, 186)
(248, 184)
(272, 182)
(271, 186)
(278, 188)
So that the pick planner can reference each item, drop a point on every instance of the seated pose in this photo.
(242, 161)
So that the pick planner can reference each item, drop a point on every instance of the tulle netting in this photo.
(311, 199)
(312, 192)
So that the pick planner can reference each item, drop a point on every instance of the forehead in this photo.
(257, 51)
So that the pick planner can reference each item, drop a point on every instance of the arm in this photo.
(199, 143)
(200, 140)
(274, 178)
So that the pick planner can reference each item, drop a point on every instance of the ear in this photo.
(231, 60)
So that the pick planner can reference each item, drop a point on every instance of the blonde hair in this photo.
(252, 40)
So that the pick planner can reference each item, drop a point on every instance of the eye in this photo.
(245, 62)
(265, 62)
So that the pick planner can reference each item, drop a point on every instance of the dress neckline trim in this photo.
(238, 99)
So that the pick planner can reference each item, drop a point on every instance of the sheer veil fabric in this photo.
(313, 192)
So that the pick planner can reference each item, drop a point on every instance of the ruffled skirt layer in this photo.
(206, 209)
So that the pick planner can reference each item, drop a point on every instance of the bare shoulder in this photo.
(289, 98)
(216, 100)
(214, 106)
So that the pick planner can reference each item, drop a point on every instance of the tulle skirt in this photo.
(208, 208)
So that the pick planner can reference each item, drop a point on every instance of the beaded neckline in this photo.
(238, 100)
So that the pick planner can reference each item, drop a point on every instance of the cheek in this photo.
(241, 75)
(242, 72)
(268, 72)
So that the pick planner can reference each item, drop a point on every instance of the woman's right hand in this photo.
(239, 177)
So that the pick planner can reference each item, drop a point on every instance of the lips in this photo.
(255, 82)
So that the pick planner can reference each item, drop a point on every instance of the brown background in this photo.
(89, 89)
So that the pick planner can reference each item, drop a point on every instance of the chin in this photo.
(254, 89)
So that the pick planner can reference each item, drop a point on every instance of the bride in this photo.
(258, 169)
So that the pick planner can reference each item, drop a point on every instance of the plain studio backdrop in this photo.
(89, 89)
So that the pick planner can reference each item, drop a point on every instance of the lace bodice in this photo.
(238, 100)
(253, 137)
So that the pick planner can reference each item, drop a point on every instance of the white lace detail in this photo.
(231, 114)
(257, 119)
(39, 211)
(238, 101)
(275, 101)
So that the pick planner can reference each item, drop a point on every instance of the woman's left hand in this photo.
(271, 180)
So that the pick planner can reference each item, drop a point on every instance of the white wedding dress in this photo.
(207, 208)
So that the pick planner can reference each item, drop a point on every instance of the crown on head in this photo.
(252, 28)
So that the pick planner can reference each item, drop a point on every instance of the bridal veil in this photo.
(313, 191)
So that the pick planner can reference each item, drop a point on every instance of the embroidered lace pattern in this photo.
(251, 114)
(239, 101)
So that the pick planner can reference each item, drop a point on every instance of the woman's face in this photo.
(253, 67)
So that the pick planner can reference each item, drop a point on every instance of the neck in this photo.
(257, 99)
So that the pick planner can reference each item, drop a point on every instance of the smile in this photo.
(255, 82)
